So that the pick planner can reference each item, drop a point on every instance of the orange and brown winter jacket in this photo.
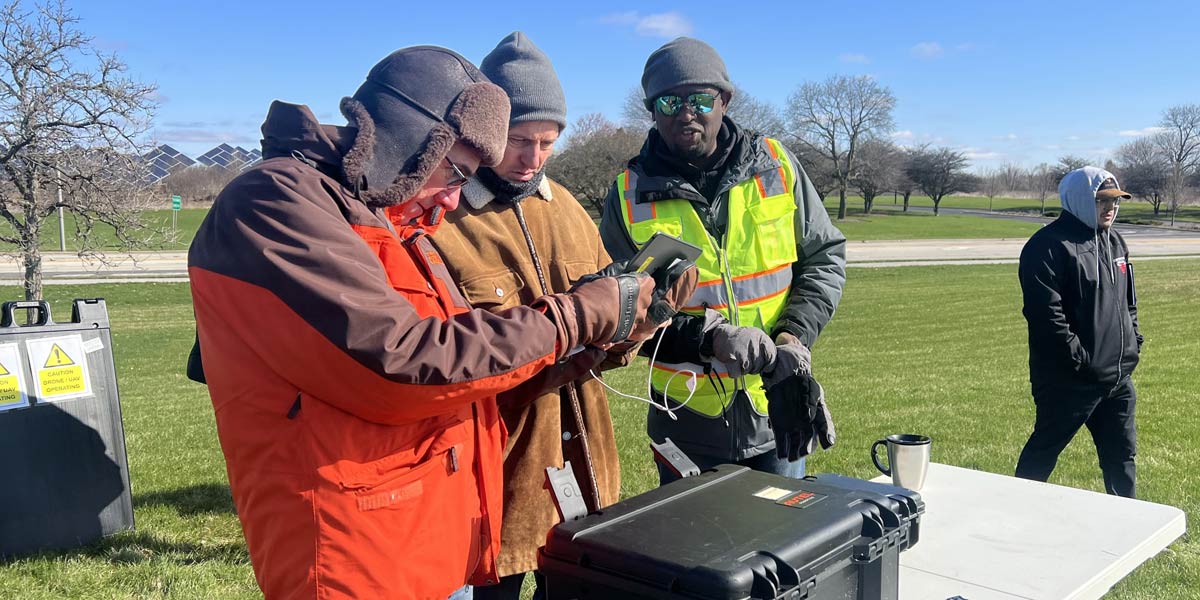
(354, 391)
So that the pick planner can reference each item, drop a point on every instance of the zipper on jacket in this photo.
(1117, 300)
(740, 382)
(453, 459)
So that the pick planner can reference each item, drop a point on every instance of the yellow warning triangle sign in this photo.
(57, 358)
(4, 371)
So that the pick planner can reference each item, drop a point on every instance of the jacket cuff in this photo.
(785, 326)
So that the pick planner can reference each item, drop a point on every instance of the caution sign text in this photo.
(12, 384)
(10, 387)
(60, 368)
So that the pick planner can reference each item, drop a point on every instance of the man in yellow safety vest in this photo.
(771, 272)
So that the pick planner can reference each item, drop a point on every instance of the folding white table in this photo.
(992, 537)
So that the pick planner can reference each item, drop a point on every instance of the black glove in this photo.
(672, 288)
(612, 270)
(791, 358)
(799, 417)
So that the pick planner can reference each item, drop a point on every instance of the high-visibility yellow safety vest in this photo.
(745, 276)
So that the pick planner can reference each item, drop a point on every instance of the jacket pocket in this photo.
(493, 291)
(402, 272)
(642, 231)
(401, 522)
(576, 270)
(394, 479)
(775, 235)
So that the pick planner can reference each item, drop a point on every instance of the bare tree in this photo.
(879, 163)
(1180, 142)
(1145, 170)
(634, 113)
(585, 127)
(903, 183)
(834, 116)
(939, 172)
(755, 114)
(819, 170)
(991, 183)
(70, 119)
(596, 151)
(1042, 179)
(1066, 164)
(745, 109)
(1012, 177)
(196, 184)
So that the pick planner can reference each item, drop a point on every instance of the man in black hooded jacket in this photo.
(1084, 343)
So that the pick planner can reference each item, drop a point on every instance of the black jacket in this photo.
(1080, 304)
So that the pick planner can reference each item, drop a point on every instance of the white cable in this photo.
(665, 407)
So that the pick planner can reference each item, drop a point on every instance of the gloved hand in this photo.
(799, 417)
(613, 269)
(672, 288)
(743, 350)
(791, 358)
(553, 377)
(606, 310)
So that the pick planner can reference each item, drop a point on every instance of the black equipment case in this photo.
(732, 534)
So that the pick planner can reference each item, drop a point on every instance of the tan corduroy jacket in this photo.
(488, 254)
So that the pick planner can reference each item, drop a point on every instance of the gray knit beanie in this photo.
(683, 61)
(524, 71)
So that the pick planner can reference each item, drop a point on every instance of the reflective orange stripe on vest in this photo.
(748, 289)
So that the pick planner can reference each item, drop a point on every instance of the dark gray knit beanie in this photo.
(683, 61)
(524, 71)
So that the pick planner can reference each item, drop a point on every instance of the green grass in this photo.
(938, 350)
(1135, 211)
(883, 224)
(888, 221)
(158, 229)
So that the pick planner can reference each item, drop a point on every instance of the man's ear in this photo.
(726, 98)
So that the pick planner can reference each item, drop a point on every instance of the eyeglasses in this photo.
(459, 178)
(1114, 201)
(701, 103)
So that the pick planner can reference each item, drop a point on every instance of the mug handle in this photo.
(875, 457)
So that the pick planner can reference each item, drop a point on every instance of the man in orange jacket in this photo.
(354, 389)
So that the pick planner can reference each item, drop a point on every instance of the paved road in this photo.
(59, 268)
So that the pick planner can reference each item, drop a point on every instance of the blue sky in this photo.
(1014, 81)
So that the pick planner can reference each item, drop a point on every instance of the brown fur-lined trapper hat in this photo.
(413, 107)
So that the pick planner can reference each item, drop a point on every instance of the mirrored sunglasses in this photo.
(700, 103)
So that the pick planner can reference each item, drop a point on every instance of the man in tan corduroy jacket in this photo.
(516, 236)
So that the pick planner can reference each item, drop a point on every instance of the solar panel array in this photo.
(165, 160)
(229, 157)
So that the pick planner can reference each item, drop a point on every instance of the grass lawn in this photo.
(936, 350)
(884, 224)
(159, 221)
(1136, 211)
